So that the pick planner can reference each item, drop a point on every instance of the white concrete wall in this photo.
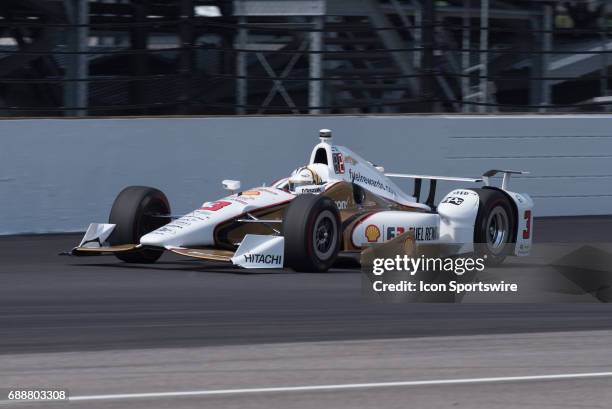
(60, 174)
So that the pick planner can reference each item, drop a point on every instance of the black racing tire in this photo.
(131, 213)
(495, 227)
(312, 231)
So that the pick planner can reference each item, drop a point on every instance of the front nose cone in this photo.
(154, 239)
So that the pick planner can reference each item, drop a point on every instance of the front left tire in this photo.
(133, 213)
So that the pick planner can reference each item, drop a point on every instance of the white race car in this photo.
(335, 206)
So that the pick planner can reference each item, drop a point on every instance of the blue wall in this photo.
(60, 174)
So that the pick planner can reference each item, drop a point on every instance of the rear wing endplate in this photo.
(506, 178)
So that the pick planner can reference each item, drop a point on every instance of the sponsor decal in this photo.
(453, 200)
(317, 189)
(338, 163)
(263, 258)
(234, 199)
(420, 233)
(251, 193)
(464, 192)
(342, 204)
(393, 232)
(357, 177)
(214, 206)
(372, 233)
(425, 233)
(269, 191)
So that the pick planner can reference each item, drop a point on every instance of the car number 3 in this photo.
(527, 231)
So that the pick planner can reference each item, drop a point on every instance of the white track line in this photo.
(344, 386)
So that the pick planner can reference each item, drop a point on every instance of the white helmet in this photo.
(303, 176)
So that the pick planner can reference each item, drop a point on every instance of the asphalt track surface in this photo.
(102, 327)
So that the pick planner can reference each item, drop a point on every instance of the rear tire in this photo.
(312, 231)
(132, 214)
(495, 227)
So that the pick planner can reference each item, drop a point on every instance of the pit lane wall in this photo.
(58, 175)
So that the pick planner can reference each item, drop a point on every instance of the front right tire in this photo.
(312, 231)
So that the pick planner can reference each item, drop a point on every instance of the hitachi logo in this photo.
(263, 258)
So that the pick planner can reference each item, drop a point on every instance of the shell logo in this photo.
(372, 233)
(251, 193)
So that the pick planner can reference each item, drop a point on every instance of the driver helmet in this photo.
(304, 176)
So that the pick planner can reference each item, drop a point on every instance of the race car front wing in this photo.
(255, 250)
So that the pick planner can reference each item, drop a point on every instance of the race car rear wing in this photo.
(451, 178)
(418, 180)
(486, 178)
(506, 179)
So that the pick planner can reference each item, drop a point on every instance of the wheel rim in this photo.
(324, 235)
(497, 230)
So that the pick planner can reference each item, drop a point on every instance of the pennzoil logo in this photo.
(251, 193)
(372, 233)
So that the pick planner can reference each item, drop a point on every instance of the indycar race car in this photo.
(338, 205)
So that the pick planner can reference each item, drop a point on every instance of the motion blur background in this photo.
(153, 57)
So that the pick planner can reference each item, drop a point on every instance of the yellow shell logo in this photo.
(251, 193)
(372, 233)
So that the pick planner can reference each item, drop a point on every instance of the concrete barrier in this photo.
(60, 174)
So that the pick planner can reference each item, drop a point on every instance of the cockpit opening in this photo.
(321, 156)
